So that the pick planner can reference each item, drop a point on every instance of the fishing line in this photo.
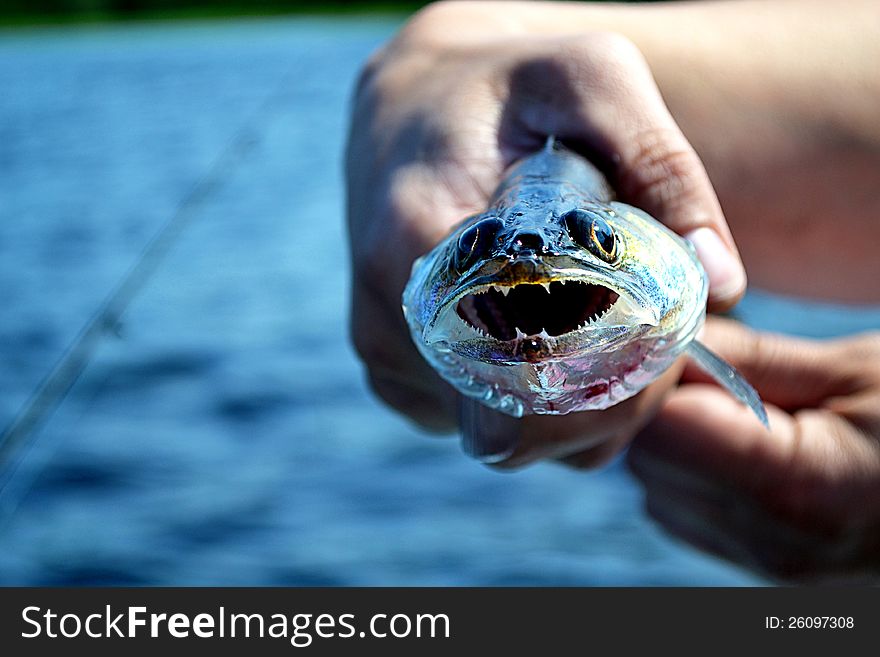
(20, 436)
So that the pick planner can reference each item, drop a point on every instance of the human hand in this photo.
(436, 121)
(801, 502)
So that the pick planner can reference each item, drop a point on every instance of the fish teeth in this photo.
(546, 286)
(519, 334)
(503, 289)
(477, 330)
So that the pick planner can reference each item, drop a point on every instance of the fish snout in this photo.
(528, 242)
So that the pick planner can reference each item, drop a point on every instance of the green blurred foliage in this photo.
(70, 10)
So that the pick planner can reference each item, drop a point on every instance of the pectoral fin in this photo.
(729, 378)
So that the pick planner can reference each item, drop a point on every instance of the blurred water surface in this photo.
(225, 435)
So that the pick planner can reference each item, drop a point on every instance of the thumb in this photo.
(486, 434)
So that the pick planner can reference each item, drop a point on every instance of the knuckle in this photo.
(603, 63)
(431, 23)
(615, 49)
(411, 52)
(607, 49)
(857, 367)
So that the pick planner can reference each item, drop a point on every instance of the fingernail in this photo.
(487, 435)
(726, 275)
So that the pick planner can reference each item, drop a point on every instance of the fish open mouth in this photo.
(529, 309)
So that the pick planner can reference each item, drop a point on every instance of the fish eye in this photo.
(476, 243)
(591, 231)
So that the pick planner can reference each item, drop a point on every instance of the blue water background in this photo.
(223, 434)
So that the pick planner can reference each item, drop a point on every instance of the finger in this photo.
(735, 528)
(396, 371)
(788, 372)
(380, 335)
(545, 437)
(702, 429)
(810, 469)
(730, 530)
(486, 434)
(698, 521)
(382, 254)
(600, 93)
(799, 498)
(656, 471)
(432, 411)
(509, 443)
(598, 456)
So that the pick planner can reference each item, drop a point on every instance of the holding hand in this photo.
(799, 503)
(437, 120)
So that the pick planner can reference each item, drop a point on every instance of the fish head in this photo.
(532, 282)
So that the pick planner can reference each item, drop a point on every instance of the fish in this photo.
(558, 298)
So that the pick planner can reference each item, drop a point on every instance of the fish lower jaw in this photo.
(556, 387)
(541, 336)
